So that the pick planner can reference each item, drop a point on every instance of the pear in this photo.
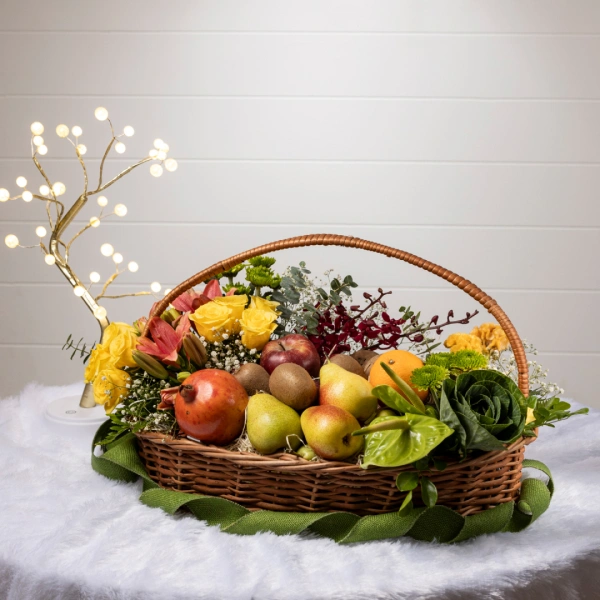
(271, 424)
(328, 431)
(346, 390)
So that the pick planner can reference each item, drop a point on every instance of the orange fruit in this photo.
(403, 363)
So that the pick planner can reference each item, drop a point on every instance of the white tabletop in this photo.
(67, 532)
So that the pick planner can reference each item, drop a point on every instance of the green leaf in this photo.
(428, 492)
(408, 392)
(439, 464)
(400, 447)
(390, 397)
(408, 481)
(406, 505)
(422, 464)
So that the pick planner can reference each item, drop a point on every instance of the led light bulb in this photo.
(82, 149)
(164, 147)
(133, 266)
(120, 210)
(38, 140)
(155, 287)
(106, 250)
(100, 312)
(153, 153)
(62, 131)
(37, 128)
(120, 147)
(59, 188)
(40, 231)
(161, 155)
(118, 258)
(95, 222)
(44, 190)
(4, 194)
(94, 277)
(12, 241)
(101, 113)
(158, 143)
(168, 291)
(76, 130)
(171, 164)
(156, 170)
(21, 182)
(49, 259)
(43, 150)
(128, 130)
(102, 201)
(27, 196)
(79, 290)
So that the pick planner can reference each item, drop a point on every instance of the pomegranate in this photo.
(210, 406)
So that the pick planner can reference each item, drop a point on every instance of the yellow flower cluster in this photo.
(483, 339)
(104, 369)
(228, 314)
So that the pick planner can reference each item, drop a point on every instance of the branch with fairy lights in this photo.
(58, 249)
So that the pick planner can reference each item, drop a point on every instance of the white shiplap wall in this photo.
(467, 132)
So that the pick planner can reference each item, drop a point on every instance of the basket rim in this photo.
(288, 460)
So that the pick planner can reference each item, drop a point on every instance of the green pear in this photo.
(328, 431)
(346, 390)
(271, 424)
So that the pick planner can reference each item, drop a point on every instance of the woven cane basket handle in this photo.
(329, 239)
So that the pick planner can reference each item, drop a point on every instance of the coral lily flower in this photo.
(190, 300)
(166, 341)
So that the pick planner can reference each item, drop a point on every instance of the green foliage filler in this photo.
(485, 409)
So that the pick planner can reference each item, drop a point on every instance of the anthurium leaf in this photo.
(407, 481)
(428, 492)
(390, 397)
(400, 447)
(406, 505)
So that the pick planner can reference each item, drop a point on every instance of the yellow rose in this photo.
(262, 304)
(122, 345)
(114, 330)
(212, 320)
(257, 327)
(464, 341)
(237, 304)
(110, 388)
(100, 359)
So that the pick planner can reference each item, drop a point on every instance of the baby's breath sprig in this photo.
(229, 354)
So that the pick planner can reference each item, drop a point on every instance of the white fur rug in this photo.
(67, 532)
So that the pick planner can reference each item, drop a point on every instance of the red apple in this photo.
(210, 406)
(293, 348)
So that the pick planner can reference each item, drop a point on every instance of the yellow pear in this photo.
(271, 424)
(346, 390)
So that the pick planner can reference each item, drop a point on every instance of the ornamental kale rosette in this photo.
(485, 408)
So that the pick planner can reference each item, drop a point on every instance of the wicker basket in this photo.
(285, 482)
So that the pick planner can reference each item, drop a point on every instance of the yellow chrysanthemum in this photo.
(492, 337)
(463, 341)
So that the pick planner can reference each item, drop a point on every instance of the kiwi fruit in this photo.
(293, 385)
(369, 363)
(253, 378)
(362, 356)
(348, 363)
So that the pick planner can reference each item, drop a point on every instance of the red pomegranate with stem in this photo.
(210, 406)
